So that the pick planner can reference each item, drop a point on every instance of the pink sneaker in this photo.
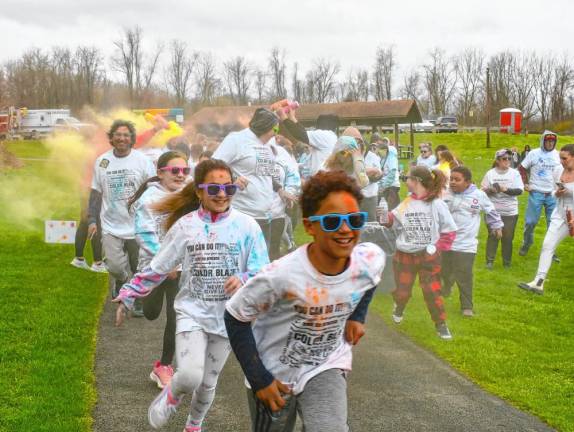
(161, 374)
(191, 428)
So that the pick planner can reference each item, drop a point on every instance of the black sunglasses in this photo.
(214, 188)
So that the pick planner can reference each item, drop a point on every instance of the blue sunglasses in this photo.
(333, 221)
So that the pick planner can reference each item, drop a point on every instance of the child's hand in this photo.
(271, 395)
(354, 331)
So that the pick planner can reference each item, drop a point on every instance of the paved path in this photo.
(395, 386)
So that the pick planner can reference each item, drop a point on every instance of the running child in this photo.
(218, 249)
(172, 172)
(425, 228)
(293, 325)
(465, 203)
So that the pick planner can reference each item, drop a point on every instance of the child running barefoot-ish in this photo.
(465, 202)
(218, 249)
(293, 325)
(425, 228)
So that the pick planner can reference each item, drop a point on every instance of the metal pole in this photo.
(487, 107)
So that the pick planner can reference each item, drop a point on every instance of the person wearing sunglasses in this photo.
(117, 176)
(424, 228)
(426, 157)
(536, 170)
(503, 185)
(172, 171)
(292, 327)
(218, 249)
(466, 203)
(248, 153)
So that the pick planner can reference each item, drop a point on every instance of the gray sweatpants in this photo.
(121, 257)
(322, 406)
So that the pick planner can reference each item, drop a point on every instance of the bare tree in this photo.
(500, 66)
(277, 70)
(521, 71)
(297, 86)
(89, 73)
(206, 77)
(383, 73)
(180, 70)
(543, 84)
(440, 81)
(260, 78)
(238, 77)
(469, 67)
(563, 83)
(130, 60)
(413, 89)
(323, 76)
(355, 87)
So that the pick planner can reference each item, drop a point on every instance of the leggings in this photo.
(505, 241)
(82, 234)
(277, 228)
(557, 231)
(152, 306)
(200, 358)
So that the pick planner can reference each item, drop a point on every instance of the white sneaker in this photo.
(99, 267)
(162, 408)
(397, 315)
(80, 263)
(536, 286)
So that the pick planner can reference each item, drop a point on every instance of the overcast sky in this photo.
(344, 30)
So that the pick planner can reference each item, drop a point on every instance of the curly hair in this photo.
(322, 184)
(121, 123)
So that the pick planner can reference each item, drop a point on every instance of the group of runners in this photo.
(213, 241)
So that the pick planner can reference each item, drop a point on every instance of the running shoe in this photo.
(523, 250)
(99, 267)
(192, 428)
(397, 314)
(443, 331)
(489, 265)
(162, 408)
(161, 374)
(80, 263)
(468, 313)
(536, 286)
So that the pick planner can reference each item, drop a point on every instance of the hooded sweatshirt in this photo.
(465, 208)
(541, 163)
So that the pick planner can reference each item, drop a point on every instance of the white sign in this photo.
(60, 231)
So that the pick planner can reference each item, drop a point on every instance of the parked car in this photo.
(424, 126)
(447, 124)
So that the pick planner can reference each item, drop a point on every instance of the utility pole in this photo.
(487, 107)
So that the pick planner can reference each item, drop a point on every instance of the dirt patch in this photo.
(8, 160)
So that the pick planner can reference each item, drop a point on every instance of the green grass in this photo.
(49, 314)
(519, 346)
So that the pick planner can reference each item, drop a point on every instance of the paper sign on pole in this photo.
(60, 231)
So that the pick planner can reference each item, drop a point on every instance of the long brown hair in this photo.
(432, 180)
(447, 156)
(161, 163)
(186, 200)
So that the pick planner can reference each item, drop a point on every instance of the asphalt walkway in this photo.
(395, 386)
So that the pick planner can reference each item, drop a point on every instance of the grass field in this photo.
(519, 346)
(49, 312)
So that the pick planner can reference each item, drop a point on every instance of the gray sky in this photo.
(347, 31)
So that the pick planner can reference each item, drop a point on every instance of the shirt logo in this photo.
(104, 163)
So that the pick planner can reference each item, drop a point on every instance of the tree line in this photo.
(174, 74)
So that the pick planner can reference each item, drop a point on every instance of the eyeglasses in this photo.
(213, 188)
(504, 158)
(333, 221)
(177, 170)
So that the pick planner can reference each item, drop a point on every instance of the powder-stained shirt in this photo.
(118, 179)
(465, 208)
(506, 205)
(542, 165)
(250, 158)
(299, 314)
(209, 252)
(322, 143)
(419, 223)
(287, 175)
(371, 161)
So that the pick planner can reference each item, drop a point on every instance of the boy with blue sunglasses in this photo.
(293, 325)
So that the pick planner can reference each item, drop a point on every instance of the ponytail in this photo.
(141, 190)
(178, 204)
(433, 181)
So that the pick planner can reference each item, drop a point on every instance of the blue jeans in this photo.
(536, 200)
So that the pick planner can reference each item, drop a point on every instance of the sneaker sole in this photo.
(397, 320)
(149, 419)
(528, 288)
(444, 337)
(86, 267)
(155, 379)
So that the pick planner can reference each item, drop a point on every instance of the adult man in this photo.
(389, 184)
(321, 141)
(537, 174)
(248, 153)
(118, 174)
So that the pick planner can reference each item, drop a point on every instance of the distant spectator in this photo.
(524, 152)
(426, 157)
